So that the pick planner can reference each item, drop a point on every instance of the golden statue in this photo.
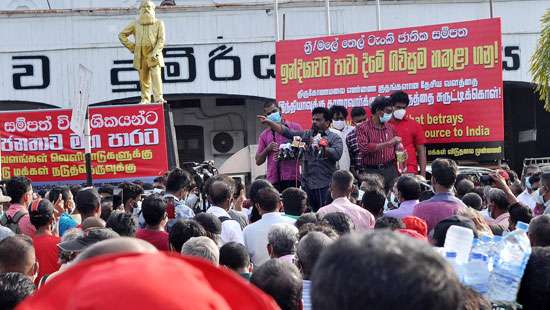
(148, 33)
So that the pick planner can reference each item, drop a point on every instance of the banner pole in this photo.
(327, 5)
(88, 151)
(277, 35)
(378, 15)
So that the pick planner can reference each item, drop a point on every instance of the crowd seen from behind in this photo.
(331, 235)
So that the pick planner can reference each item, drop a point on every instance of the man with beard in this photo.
(323, 150)
(147, 49)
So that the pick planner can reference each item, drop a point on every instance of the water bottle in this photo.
(476, 273)
(459, 239)
(509, 265)
(401, 157)
(451, 256)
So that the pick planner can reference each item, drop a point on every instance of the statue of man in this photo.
(148, 33)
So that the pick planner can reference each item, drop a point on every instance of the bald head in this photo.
(220, 194)
(116, 245)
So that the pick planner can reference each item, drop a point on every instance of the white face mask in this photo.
(338, 125)
(399, 114)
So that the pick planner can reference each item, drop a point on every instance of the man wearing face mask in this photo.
(282, 174)
(377, 139)
(530, 180)
(542, 196)
(411, 132)
(322, 152)
(340, 127)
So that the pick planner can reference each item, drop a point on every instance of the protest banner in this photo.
(452, 73)
(128, 142)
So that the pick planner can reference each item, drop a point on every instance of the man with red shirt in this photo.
(377, 139)
(411, 133)
(153, 209)
(41, 213)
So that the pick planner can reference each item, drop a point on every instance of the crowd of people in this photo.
(340, 233)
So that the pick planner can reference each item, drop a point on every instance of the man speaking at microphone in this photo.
(323, 150)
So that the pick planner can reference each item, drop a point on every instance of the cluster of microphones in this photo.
(295, 150)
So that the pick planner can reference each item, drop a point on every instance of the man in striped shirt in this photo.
(358, 116)
(377, 140)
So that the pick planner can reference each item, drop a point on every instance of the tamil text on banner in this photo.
(452, 73)
(128, 142)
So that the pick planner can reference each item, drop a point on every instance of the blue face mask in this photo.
(274, 117)
(386, 117)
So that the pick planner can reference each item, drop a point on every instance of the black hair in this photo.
(473, 200)
(379, 104)
(122, 223)
(440, 230)
(183, 230)
(268, 104)
(130, 191)
(17, 187)
(211, 224)
(425, 195)
(339, 221)
(444, 172)
(374, 200)
(153, 209)
(106, 189)
(534, 291)
(42, 214)
(14, 288)
(391, 223)
(539, 230)
(268, 199)
(75, 189)
(322, 228)
(280, 280)
(342, 180)
(409, 187)
(219, 192)
(253, 191)
(399, 96)
(294, 201)
(358, 111)
(519, 212)
(338, 109)
(474, 301)
(383, 270)
(464, 187)
(178, 179)
(54, 193)
(327, 115)
(106, 208)
(234, 256)
(87, 201)
(14, 252)
(306, 218)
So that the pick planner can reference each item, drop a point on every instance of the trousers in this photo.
(150, 77)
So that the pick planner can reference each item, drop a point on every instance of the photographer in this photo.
(323, 150)
(178, 186)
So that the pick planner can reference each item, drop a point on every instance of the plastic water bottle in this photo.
(509, 265)
(451, 258)
(476, 274)
(459, 239)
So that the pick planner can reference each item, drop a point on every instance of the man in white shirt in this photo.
(408, 192)
(340, 127)
(255, 235)
(531, 180)
(220, 196)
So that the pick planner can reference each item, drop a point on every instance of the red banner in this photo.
(128, 142)
(452, 73)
